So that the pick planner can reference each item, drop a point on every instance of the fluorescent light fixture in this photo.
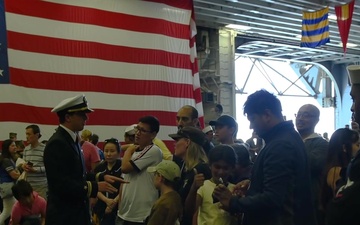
(238, 27)
(348, 45)
(332, 17)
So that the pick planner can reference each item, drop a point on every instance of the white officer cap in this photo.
(207, 129)
(73, 104)
(130, 130)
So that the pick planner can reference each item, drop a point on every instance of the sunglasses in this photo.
(112, 140)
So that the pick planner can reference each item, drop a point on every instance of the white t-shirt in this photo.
(209, 212)
(139, 195)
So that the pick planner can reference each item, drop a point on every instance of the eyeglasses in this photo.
(303, 115)
(141, 130)
(112, 140)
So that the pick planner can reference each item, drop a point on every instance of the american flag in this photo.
(130, 58)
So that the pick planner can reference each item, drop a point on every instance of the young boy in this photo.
(222, 160)
(167, 210)
(30, 209)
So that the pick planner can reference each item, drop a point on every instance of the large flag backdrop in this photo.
(130, 58)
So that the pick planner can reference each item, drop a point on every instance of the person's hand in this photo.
(28, 168)
(223, 194)
(132, 148)
(111, 179)
(113, 203)
(104, 186)
(92, 202)
(110, 202)
(241, 188)
(199, 179)
(108, 210)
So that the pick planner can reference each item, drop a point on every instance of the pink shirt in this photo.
(91, 155)
(19, 211)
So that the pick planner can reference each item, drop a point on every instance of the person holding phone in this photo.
(34, 161)
(222, 160)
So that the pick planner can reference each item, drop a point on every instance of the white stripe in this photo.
(199, 107)
(85, 66)
(104, 132)
(94, 33)
(196, 81)
(134, 7)
(97, 100)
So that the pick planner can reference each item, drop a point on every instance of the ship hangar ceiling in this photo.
(275, 28)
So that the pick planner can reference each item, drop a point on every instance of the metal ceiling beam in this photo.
(328, 50)
(224, 6)
(277, 21)
(261, 50)
(266, 25)
(262, 31)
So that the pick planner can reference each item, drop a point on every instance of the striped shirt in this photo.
(36, 156)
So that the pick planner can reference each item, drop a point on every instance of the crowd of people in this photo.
(289, 175)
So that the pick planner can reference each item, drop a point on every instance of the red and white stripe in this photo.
(130, 58)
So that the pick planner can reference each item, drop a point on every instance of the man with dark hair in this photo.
(280, 190)
(34, 161)
(139, 195)
(316, 149)
(69, 186)
(30, 209)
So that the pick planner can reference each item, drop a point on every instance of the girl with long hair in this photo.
(343, 146)
(8, 174)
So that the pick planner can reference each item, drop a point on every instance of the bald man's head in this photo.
(187, 116)
(307, 118)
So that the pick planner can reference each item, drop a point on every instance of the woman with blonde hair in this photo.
(194, 167)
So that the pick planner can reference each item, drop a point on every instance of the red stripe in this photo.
(82, 83)
(143, 152)
(84, 49)
(76, 14)
(195, 69)
(41, 115)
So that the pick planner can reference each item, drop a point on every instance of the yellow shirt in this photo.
(165, 151)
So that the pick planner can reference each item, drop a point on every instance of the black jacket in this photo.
(68, 189)
(280, 190)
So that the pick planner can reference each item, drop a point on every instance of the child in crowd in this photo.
(30, 208)
(167, 210)
(222, 161)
